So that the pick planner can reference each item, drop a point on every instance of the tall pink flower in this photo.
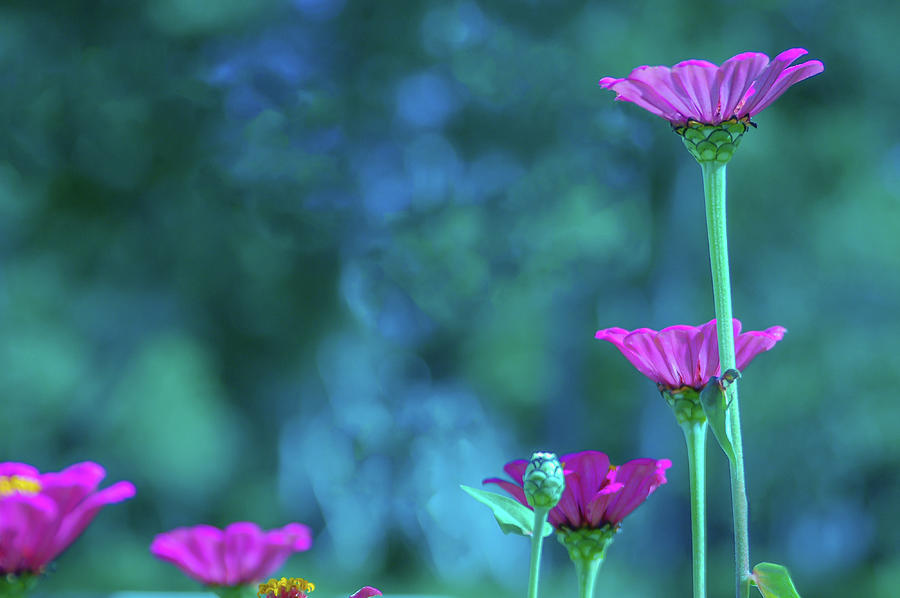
(680, 356)
(43, 513)
(596, 493)
(697, 90)
(240, 554)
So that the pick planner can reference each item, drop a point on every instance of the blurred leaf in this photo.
(774, 581)
(511, 515)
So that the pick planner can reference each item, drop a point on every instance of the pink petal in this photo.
(197, 551)
(750, 344)
(366, 592)
(644, 96)
(659, 78)
(790, 76)
(516, 469)
(244, 548)
(568, 511)
(24, 470)
(677, 343)
(279, 544)
(694, 78)
(767, 78)
(733, 80)
(617, 337)
(640, 477)
(27, 526)
(74, 522)
(644, 345)
(590, 469)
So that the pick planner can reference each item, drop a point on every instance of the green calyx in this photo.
(587, 545)
(544, 481)
(685, 404)
(713, 143)
(16, 586)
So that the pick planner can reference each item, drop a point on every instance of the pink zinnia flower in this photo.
(701, 91)
(596, 494)
(42, 513)
(680, 356)
(240, 554)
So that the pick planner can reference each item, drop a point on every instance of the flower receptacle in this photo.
(685, 404)
(713, 143)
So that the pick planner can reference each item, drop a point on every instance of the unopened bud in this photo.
(544, 480)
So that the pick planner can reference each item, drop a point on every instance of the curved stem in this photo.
(587, 569)
(714, 190)
(695, 439)
(537, 541)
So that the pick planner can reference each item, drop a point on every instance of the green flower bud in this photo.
(713, 143)
(544, 480)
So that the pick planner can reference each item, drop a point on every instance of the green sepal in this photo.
(773, 581)
(16, 586)
(713, 402)
(511, 515)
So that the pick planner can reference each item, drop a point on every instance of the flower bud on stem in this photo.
(544, 482)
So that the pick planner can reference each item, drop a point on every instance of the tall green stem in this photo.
(587, 569)
(537, 541)
(695, 439)
(714, 190)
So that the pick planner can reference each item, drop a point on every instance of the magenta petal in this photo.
(733, 81)
(750, 344)
(27, 528)
(788, 77)
(591, 468)
(659, 78)
(74, 522)
(516, 469)
(644, 96)
(367, 592)
(24, 470)
(617, 337)
(694, 79)
(641, 477)
(644, 344)
(767, 78)
(568, 511)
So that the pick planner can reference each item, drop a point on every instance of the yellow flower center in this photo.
(284, 585)
(15, 484)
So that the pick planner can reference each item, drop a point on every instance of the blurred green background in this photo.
(323, 260)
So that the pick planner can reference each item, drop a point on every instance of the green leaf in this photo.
(511, 515)
(712, 400)
(773, 581)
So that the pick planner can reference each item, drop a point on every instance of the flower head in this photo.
(42, 513)
(680, 356)
(596, 493)
(286, 587)
(242, 553)
(697, 90)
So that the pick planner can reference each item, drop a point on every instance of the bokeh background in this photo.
(324, 260)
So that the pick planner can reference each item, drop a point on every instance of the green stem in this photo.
(537, 541)
(587, 569)
(714, 190)
(695, 439)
